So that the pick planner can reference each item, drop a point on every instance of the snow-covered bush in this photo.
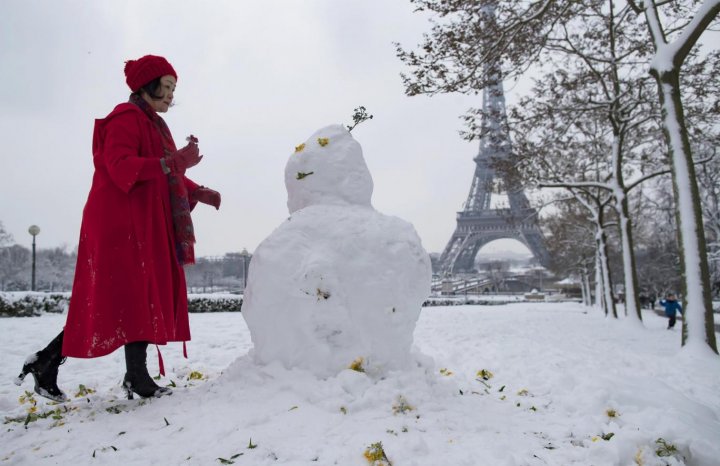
(24, 304)
(29, 304)
(215, 303)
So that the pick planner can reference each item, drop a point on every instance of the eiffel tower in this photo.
(478, 223)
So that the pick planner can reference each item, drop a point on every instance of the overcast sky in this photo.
(255, 78)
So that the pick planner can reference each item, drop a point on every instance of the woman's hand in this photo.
(187, 157)
(207, 196)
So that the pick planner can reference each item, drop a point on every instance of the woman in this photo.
(129, 288)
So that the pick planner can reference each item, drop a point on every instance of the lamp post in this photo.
(34, 230)
(244, 263)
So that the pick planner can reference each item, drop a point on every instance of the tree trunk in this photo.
(585, 287)
(620, 126)
(698, 321)
(599, 300)
(632, 301)
(609, 302)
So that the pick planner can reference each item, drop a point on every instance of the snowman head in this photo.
(328, 168)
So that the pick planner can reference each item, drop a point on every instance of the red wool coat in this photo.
(128, 283)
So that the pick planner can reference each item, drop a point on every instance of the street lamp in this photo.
(244, 263)
(34, 230)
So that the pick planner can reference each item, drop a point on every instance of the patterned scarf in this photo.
(179, 203)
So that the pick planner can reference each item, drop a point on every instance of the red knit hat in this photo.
(143, 70)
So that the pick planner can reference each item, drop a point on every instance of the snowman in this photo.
(338, 285)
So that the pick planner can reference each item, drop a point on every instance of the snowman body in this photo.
(338, 284)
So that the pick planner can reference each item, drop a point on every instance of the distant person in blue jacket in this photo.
(672, 306)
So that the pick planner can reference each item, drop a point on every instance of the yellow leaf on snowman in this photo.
(323, 141)
(300, 147)
(357, 365)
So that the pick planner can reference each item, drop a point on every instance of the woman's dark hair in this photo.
(151, 89)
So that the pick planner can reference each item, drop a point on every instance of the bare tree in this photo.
(472, 42)
(56, 269)
(6, 238)
(598, 95)
(674, 41)
(571, 243)
(14, 267)
(497, 273)
(709, 182)
(657, 251)
(588, 79)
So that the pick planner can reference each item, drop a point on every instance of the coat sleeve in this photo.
(121, 152)
(191, 187)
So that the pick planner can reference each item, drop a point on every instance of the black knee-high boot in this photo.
(43, 366)
(137, 378)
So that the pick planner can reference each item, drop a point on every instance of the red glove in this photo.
(187, 157)
(207, 196)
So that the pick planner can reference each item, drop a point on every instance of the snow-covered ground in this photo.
(565, 386)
